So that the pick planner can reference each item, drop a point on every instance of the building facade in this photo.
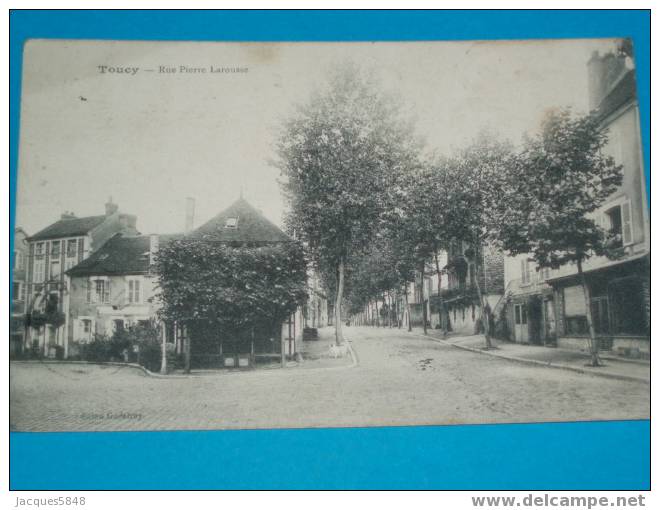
(113, 289)
(18, 293)
(51, 252)
(620, 288)
(457, 306)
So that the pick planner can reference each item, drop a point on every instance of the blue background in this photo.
(594, 455)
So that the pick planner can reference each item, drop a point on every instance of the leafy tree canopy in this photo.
(560, 178)
(232, 287)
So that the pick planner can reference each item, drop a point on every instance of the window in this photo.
(71, 253)
(39, 250)
(525, 272)
(118, 325)
(98, 291)
(101, 291)
(72, 248)
(231, 223)
(55, 249)
(575, 311)
(39, 270)
(618, 223)
(85, 329)
(19, 260)
(55, 268)
(17, 291)
(628, 306)
(134, 291)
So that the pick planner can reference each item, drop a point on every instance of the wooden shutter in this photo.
(626, 223)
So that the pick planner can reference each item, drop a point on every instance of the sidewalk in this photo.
(631, 370)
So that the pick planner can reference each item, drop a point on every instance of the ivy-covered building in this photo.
(117, 287)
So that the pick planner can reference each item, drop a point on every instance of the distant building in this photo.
(17, 319)
(51, 252)
(460, 300)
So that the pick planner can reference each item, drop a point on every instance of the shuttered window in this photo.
(134, 291)
(626, 223)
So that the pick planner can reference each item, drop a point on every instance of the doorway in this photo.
(521, 331)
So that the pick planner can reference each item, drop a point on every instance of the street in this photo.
(401, 379)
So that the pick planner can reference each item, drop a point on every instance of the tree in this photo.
(422, 229)
(560, 179)
(230, 288)
(339, 155)
(477, 178)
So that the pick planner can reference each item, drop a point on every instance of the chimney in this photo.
(153, 248)
(190, 214)
(110, 208)
(596, 78)
(68, 215)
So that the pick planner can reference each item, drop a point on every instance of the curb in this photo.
(106, 363)
(547, 364)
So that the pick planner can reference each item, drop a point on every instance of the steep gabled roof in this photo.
(69, 228)
(120, 255)
(251, 227)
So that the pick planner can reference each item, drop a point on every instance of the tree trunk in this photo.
(593, 341)
(408, 309)
(389, 310)
(186, 346)
(163, 360)
(377, 314)
(484, 315)
(422, 296)
(339, 339)
(442, 323)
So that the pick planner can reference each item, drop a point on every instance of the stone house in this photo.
(51, 252)
(18, 292)
(112, 289)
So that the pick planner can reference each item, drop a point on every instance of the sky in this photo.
(149, 138)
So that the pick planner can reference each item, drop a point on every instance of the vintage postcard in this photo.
(292, 235)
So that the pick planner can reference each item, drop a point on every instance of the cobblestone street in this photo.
(401, 379)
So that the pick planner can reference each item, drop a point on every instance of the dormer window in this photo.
(231, 222)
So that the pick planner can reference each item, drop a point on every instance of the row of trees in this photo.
(373, 211)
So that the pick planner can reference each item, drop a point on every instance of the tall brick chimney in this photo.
(153, 248)
(110, 207)
(190, 214)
